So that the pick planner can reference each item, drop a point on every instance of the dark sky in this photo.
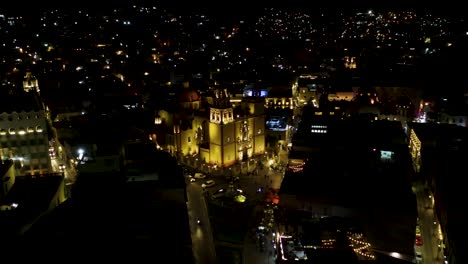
(238, 5)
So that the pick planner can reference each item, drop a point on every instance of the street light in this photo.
(80, 153)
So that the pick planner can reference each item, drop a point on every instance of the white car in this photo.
(418, 257)
(219, 193)
(208, 183)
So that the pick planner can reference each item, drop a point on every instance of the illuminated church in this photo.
(212, 129)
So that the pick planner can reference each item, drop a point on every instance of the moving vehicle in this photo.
(208, 183)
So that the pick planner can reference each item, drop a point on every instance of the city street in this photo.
(429, 249)
(69, 174)
(202, 236)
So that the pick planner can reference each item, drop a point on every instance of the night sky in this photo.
(231, 7)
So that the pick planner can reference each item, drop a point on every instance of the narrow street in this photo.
(429, 227)
(202, 236)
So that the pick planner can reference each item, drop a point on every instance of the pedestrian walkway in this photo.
(254, 251)
(253, 254)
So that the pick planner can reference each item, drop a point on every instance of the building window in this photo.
(228, 139)
(188, 139)
(259, 131)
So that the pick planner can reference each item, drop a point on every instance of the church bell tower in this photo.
(221, 130)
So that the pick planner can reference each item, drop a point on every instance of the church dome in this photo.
(188, 95)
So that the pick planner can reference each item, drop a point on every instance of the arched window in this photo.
(39, 129)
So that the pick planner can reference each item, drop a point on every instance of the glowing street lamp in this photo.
(80, 153)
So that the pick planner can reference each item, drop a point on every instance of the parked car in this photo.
(208, 183)
(219, 193)
(418, 257)
(419, 241)
(200, 175)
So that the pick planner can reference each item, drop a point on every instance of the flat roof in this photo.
(5, 165)
(33, 193)
(20, 102)
(130, 220)
(32, 197)
(428, 132)
(357, 134)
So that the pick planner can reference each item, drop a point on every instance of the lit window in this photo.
(228, 139)
(2, 132)
(12, 131)
(39, 129)
(30, 130)
(259, 131)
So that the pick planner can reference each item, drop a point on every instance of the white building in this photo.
(457, 119)
(23, 133)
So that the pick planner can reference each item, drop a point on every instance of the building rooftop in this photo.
(359, 134)
(280, 91)
(33, 193)
(440, 133)
(5, 165)
(20, 102)
(188, 95)
(109, 218)
(31, 196)
(347, 170)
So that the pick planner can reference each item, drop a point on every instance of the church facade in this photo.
(217, 134)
